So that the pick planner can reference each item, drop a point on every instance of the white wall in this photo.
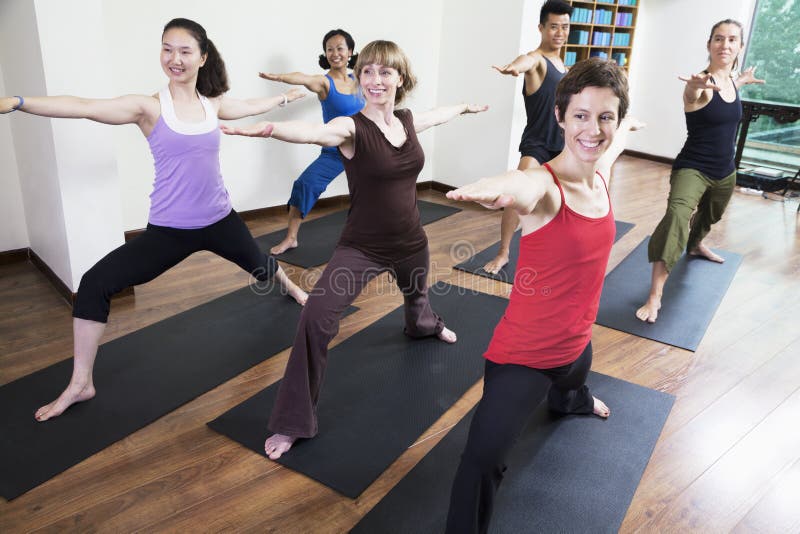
(34, 151)
(13, 230)
(670, 40)
(87, 169)
(473, 39)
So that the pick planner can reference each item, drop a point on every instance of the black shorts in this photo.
(538, 152)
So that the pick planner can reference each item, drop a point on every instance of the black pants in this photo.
(159, 248)
(510, 395)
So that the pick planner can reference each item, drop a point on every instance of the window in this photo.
(774, 49)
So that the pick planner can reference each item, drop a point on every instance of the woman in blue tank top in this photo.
(190, 208)
(339, 96)
(703, 175)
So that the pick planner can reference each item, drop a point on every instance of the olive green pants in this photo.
(679, 230)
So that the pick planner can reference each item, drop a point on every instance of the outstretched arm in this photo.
(519, 190)
(521, 65)
(747, 76)
(126, 109)
(333, 133)
(627, 125)
(232, 108)
(316, 83)
(440, 115)
(696, 85)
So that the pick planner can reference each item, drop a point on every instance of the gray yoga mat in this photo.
(139, 377)
(565, 474)
(475, 264)
(318, 237)
(691, 296)
(382, 391)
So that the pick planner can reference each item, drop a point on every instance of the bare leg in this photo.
(290, 241)
(649, 311)
(277, 444)
(600, 408)
(508, 225)
(87, 336)
(294, 291)
(447, 335)
(704, 252)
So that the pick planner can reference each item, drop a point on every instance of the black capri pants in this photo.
(510, 395)
(158, 249)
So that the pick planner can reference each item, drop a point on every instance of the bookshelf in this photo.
(601, 28)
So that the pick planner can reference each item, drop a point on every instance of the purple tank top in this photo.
(188, 191)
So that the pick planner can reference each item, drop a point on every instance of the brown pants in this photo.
(295, 411)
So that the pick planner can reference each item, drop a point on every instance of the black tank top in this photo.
(711, 137)
(542, 128)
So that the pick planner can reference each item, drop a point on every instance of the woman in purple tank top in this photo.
(703, 175)
(339, 96)
(382, 159)
(190, 208)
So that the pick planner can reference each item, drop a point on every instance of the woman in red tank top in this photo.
(382, 158)
(541, 348)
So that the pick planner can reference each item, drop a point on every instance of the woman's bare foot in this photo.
(600, 408)
(649, 312)
(277, 444)
(447, 335)
(70, 396)
(287, 243)
(705, 252)
(297, 293)
(494, 266)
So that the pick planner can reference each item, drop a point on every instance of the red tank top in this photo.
(556, 293)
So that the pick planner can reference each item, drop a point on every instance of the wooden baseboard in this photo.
(27, 254)
(57, 283)
(651, 157)
(440, 187)
(14, 256)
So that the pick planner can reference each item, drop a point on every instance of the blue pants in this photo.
(312, 183)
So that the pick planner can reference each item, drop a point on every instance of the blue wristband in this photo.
(21, 102)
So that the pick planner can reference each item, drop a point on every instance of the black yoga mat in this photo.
(382, 391)
(475, 264)
(139, 377)
(318, 237)
(565, 474)
(691, 296)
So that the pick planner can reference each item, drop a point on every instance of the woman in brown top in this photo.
(382, 159)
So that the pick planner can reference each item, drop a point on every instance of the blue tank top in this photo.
(338, 104)
(711, 137)
(542, 128)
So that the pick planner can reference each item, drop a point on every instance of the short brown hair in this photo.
(390, 55)
(593, 72)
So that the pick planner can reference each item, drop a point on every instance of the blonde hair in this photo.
(390, 55)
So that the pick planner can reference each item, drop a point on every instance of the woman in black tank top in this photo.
(703, 174)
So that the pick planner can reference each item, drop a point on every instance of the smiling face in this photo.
(590, 122)
(725, 45)
(379, 83)
(180, 55)
(337, 52)
(554, 31)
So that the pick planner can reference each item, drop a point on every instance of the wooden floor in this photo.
(727, 460)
